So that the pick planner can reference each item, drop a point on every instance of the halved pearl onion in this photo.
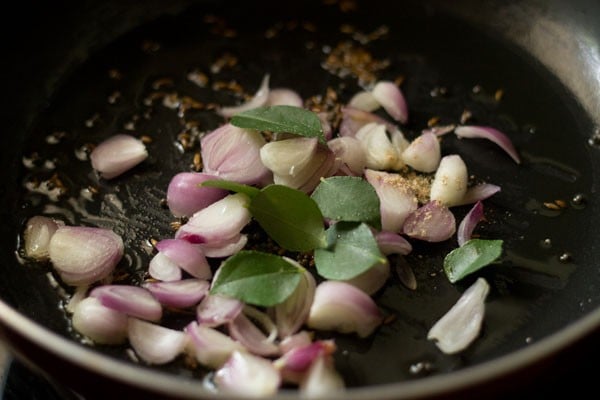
(457, 329)
(389, 95)
(364, 101)
(372, 279)
(247, 375)
(83, 255)
(185, 195)
(209, 346)
(101, 324)
(292, 313)
(153, 343)
(433, 222)
(341, 307)
(423, 154)
(450, 182)
(179, 294)
(215, 310)
(218, 223)
(397, 201)
(163, 268)
(469, 222)
(392, 243)
(351, 153)
(131, 300)
(186, 256)
(284, 97)
(259, 99)
(232, 154)
(37, 235)
(117, 155)
(321, 380)
(380, 152)
(489, 133)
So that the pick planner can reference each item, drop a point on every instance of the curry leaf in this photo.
(348, 198)
(289, 217)
(288, 119)
(352, 250)
(250, 191)
(470, 257)
(257, 278)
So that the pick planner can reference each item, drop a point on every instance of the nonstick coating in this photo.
(547, 279)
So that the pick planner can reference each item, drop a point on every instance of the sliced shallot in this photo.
(117, 155)
(450, 182)
(321, 379)
(179, 294)
(489, 133)
(381, 153)
(372, 279)
(397, 200)
(392, 243)
(187, 256)
(37, 235)
(83, 255)
(163, 268)
(293, 312)
(224, 248)
(364, 101)
(251, 337)
(232, 153)
(295, 363)
(461, 324)
(248, 375)
(478, 193)
(389, 95)
(101, 324)
(341, 307)
(284, 97)
(423, 154)
(209, 346)
(259, 99)
(215, 310)
(131, 300)
(433, 222)
(353, 119)
(185, 195)
(469, 222)
(153, 343)
(351, 153)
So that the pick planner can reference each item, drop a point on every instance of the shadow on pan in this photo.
(526, 68)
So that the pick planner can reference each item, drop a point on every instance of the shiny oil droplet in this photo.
(546, 243)
(579, 201)
(565, 257)
(594, 140)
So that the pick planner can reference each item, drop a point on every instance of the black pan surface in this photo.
(547, 278)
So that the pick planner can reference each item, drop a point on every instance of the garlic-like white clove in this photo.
(450, 183)
(232, 153)
(153, 343)
(423, 154)
(289, 156)
(397, 200)
(84, 255)
(341, 307)
(248, 375)
(37, 234)
(381, 153)
(351, 153)
(457, 329)
(259, 99)
(99, 323)
(389, 95)
(117, 154)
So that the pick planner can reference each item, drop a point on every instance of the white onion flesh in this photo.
(291, 314)
(215, 310)
(423, 154)
(179, 294)
(117, 155)
(380, 152)
(289, 156)
(248, 375)
(341, 307)
(186, 256)
(101, 324)
(225, 248)
(163, 268)
(457, 329)
(450, 182)
(209, 346)
(84, 255)
(131, 300)
(153, 343)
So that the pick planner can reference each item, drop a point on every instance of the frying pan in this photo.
(542, 57)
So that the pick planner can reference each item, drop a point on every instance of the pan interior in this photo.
(447, 67)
